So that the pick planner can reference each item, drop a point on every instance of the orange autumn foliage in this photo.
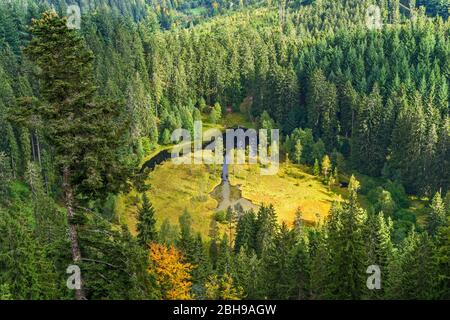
(171, 272)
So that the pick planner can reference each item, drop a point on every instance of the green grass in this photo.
(236, 119)
(290, 189)
(175, 188)
(419, 207)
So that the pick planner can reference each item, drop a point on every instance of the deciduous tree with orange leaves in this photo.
(171, 272)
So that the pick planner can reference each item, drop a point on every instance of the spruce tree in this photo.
(82, 132)
(437, 217)
(320, 268)
(322, 108)
(224, 256)
(348, 99)
(418, 267)
(300, 266)
(278, 275)
(245, 232)
(5, 174)
(213, 244)
(407, 143)
(168, 233)
(379, 248)
(146, 226)
(266, 229)
(298, 151)
(346, 243)
(369, 139)
(443, 263)
(222, 288)
(186, 238)
(247, 271)
(316, 169)
(326, 167)
(201, 267)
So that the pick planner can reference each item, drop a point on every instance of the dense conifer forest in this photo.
(364, 111)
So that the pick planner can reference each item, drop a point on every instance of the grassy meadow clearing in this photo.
(291, 189)
(176, 188)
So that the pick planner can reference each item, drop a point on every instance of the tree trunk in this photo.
(32, 146)
(39, 159)
(76, 254)
(38, 149)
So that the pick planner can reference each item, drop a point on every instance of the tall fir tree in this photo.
(437, 217)
(146, 226)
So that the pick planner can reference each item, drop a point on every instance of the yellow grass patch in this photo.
(290, 189)
(175, 188)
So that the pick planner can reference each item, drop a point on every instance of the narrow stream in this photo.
(225, 193)
(230, 195)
